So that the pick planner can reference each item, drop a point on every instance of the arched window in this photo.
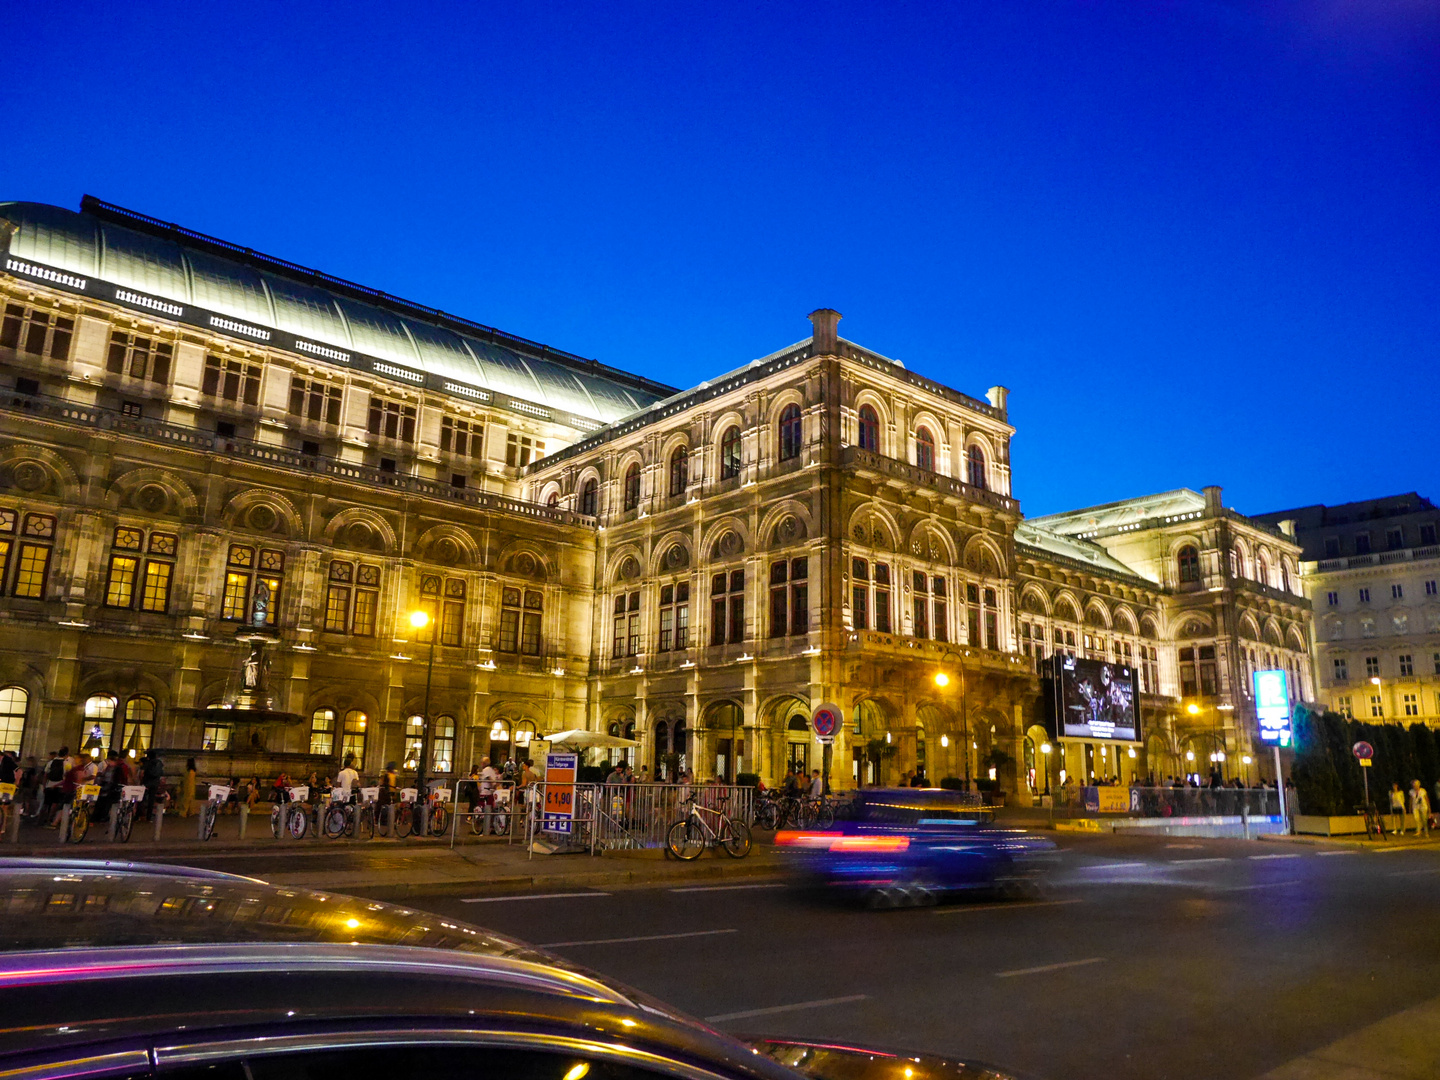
(442, 745)
(352, 739)
(924, 449)
(975, 464)
(1262, 569)
(869, 429)
(553, 499)
(730, 453)
(1189, 560)
(99, 722)
(13, 705)
(791, 432)
(589, 496)
(679, 470)
(139, 726)
(632, 486)
(322, 732)
(414, 738)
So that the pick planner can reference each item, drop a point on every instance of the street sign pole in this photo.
(825, 721)
(1280, 786)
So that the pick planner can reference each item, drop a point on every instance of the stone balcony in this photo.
(873, 466)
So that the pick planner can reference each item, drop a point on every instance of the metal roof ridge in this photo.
(304, 275)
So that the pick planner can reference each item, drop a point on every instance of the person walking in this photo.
(1397, 809)
(1420, 808)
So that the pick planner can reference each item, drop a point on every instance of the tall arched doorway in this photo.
(873, 749)
(727, 721)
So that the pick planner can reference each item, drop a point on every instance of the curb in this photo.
(592, 879)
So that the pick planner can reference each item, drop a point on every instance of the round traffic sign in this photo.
(826, 720)
(1363, 750)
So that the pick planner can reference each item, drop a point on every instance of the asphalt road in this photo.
(1150, 958)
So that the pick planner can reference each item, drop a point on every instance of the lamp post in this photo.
(942, 680)
(419, 620)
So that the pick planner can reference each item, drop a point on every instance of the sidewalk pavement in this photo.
(1358, 840)
(385, 869)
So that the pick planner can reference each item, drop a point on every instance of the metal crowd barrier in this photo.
(610, 816)
(1164, 802)
(488, 814)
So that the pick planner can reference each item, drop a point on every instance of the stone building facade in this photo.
(1370, 569)
(200, 446)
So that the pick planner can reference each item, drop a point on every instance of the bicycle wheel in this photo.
(298, 822)
(765, 815)
(365, 823)
(404, 820)
(79, 824)
(735, 838)
(335, 822)
(207, 820)
(275, 813)
(824, 815)
(124, 821)
(439, 818)
(686, 840)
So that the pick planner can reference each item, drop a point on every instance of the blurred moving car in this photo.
(130, 971)
(905, 847)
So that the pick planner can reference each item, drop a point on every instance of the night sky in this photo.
(1198, 241)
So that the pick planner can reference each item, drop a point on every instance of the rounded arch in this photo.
(1243, 557)
(1248, 628)
(264, 511)
(716, 531)
(154, 491)
(671, 553)
(1124, 620)
(550, 493)
(780, 710)
(625, 566)
(1067, 606)
(1148, 627)
(1271, 634)
(1294, 639)
(447, 545)
(1097, 614)
(978, 461)
(930, 540)
(1194, 625)
(377, 533)
(874, 526)
(38, 470)
(1034, 599)
(983, 556)
(587, 493)
(867, 398)
(1264, 566)
(776, 516)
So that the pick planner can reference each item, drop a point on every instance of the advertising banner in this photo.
(1272, 706)
(558, 813)
(1095, 699)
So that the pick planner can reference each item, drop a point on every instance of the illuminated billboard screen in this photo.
(1272, 706)
(1096, 700)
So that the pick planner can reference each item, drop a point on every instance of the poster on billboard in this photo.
(1095, 700)
(1272, 706)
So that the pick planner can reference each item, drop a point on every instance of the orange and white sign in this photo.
(558, 813)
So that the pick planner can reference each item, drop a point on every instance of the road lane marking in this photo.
(776, 1009)
(1049, 967)
(642, 937)
(1412, 873)
(1400, 850)
(1003, 907)
(529, 896)
(1262, 885)
(1196, 862)
(1185, 847)
(1324, 853)
(729, 888)
(1116, 866)
(1286, 855)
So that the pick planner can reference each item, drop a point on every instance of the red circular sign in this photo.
(826, 721)
(1363, 750)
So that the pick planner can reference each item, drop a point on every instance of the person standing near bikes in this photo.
(817, 785)
(1420, 807)
(348, 779)
(1397, 809)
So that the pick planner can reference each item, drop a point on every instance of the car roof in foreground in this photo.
(95, 952)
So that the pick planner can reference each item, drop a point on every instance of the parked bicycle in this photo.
(291, 816)
(1374, 821)
(702, 827)
(494, 809)
(349, 818)
(125, 810)
(816, 812)
(210, 812)
(81, 811)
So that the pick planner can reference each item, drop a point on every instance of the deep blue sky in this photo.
(1197, 240)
